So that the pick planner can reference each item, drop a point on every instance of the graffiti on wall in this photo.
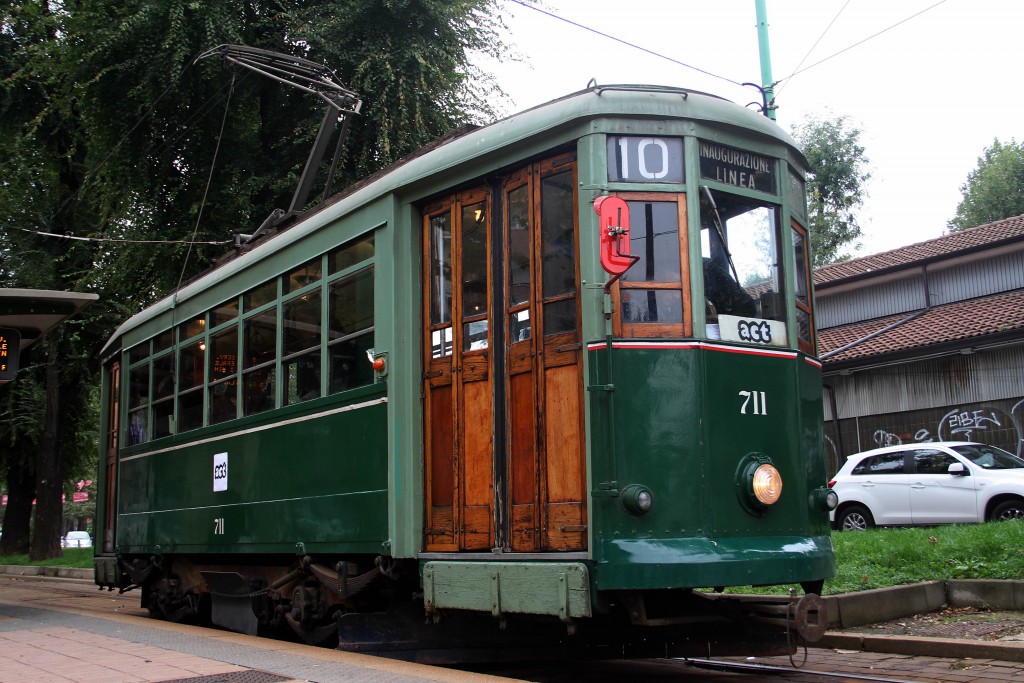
(967, 424)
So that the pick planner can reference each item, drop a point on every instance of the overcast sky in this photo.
(929, 94)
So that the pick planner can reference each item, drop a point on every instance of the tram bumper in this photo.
(699, 562)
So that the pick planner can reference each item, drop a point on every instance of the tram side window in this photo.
(350, 331)
(804, 315)
(474, 277)
(163, 395)
(519, 263)
(223, 313)
(741, 269)
(138, 404)
(259, 356)
(441, 285)
(272, 357)
(558, 257)
(223, 375)
(350, 335)
(303, 276)
(300, 321)
(191, 367)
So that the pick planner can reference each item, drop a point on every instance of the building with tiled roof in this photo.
(926, 342)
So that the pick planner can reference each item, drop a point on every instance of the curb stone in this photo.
(850, 610)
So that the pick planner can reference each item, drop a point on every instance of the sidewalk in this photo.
(46, 646)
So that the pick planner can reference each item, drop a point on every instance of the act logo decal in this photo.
(755, 331)
(220, 472)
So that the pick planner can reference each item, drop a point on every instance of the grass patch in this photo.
(879, 558)
(73, 557)
(890, 557)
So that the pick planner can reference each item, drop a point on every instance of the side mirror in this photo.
(958, 469)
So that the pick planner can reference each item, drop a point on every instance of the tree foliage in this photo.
(994, 190)
(838, 172)
(112, 129)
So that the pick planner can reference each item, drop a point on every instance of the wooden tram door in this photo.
(505, 459)
(544, 430)
(458, 397)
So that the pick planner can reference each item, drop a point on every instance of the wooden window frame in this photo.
(807, 346)
(654, 330)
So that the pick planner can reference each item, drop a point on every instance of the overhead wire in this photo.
(624, 42)
(798, 70)
(820, 37)
(117, 239)
(859, 42)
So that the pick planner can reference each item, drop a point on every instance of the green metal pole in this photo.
(766, 58)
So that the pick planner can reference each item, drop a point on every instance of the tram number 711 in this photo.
(759, 407)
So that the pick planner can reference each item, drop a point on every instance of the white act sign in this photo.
(220, 472)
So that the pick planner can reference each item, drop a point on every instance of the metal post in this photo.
(766, 58)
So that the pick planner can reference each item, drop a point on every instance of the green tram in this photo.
(550, 383)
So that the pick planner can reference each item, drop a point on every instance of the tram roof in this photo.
(637, 101)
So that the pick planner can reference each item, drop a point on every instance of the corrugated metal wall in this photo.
(967, 281)
(981, 376)
(980, 278)
(869, 302)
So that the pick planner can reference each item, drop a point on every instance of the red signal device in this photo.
(614, 227)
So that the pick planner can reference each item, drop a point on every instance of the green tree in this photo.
(994, 190)
(838, 171)
(111, 129)
(418, 77)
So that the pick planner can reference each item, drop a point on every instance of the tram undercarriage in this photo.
(376, 607)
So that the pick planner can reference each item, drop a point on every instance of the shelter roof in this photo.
(34, 312)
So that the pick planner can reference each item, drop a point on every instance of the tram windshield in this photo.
(742, 272)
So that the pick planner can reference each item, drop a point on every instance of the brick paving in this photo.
(58, 653)
(48, 646)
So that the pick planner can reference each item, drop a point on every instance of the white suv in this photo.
(948, 482)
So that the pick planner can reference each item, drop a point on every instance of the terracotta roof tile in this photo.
(961, 320)
(1007, 228)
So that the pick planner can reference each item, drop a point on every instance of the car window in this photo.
(990, 457)
(886, 463)
(931, 461)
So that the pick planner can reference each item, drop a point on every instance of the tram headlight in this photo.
(637, 499)
(767, 484)
(758, 483)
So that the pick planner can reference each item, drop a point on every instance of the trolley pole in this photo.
(766, 58)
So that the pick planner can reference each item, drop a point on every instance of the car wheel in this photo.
(855, 518)
(1008, 509)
